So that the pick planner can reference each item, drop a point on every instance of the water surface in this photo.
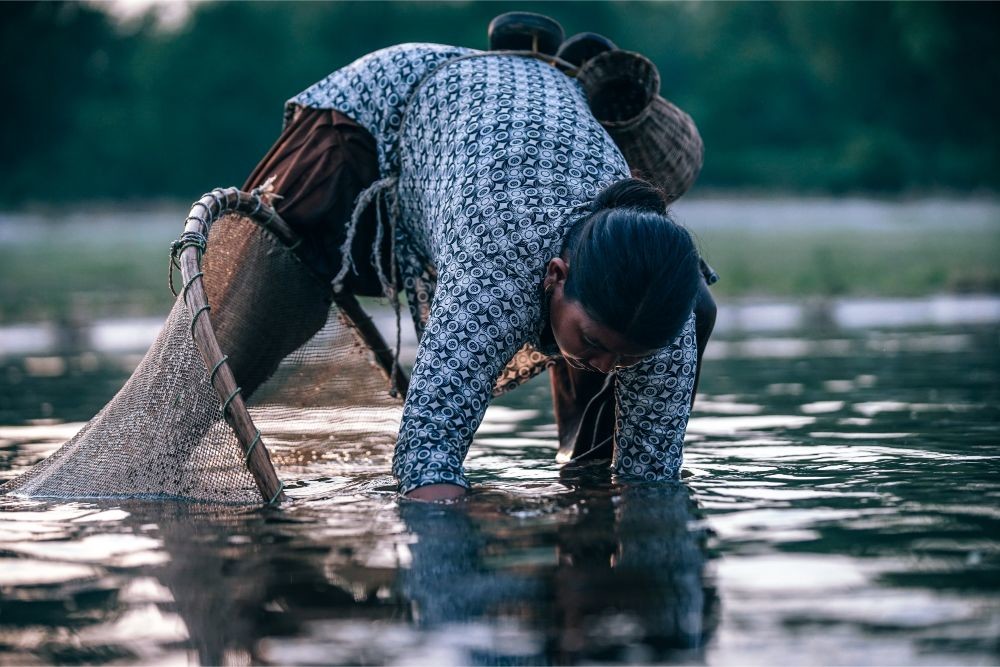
(841, 508)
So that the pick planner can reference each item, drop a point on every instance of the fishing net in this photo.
(258, 358)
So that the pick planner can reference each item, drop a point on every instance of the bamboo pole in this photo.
(203, 213)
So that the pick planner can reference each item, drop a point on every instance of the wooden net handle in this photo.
(204, 213)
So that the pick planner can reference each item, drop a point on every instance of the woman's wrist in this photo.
(436, 492)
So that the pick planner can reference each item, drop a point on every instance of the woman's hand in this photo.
(437, 492)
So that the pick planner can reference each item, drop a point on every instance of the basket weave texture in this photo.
(660, 141)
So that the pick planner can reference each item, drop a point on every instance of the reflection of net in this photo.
(163, 434)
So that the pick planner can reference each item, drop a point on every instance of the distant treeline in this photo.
(796, 97)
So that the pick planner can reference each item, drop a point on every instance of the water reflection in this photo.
(619, 578)
(604, 572)
(659, 548)
(59, 582)
(623, 580)
(852, 499)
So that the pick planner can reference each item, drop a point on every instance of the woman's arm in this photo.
(654, 403)
(474, 328)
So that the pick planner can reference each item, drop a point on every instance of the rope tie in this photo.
(382, 193)
(202, 218)
(266, 190)
(219, 204)
(215, 369)
(394, 267)
(376, 255)
(187, 285)
(281, 487)
(592, 449)
(225, 405)
(390, 199)
(187, 240)
(361, 204)
(194, 320)
(256, 439)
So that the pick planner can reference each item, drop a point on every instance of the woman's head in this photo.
(625, 281)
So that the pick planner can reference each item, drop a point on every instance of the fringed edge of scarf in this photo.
(383, 194)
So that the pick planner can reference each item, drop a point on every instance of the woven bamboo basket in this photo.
(660, 142)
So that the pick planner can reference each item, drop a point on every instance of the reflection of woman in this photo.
(517, 236)
(634, 561)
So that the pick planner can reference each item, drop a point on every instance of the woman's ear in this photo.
(555, 273)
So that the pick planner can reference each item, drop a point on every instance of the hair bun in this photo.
(631, 193)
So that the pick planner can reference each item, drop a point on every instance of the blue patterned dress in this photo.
(494, 157)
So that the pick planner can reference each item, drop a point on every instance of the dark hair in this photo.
(631, 267)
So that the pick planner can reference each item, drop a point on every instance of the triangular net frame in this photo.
(251, 321)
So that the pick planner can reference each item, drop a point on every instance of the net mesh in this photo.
(311, 379)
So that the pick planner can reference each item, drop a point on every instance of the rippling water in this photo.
(842, 507)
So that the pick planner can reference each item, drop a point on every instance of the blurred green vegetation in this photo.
(794, 97)
(835, 263)
(65, 275)
(62, 281)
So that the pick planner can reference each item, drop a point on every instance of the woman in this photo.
(517, 235)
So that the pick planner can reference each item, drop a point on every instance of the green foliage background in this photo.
(794, 97)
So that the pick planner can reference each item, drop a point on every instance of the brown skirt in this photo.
(321, 162)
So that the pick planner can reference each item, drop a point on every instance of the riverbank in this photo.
(738, 319)
(111, 262)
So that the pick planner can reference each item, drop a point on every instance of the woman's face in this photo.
(582, 340)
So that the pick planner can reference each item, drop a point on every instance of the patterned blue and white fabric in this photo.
(496, 156)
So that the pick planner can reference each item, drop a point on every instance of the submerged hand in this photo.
(437, 492)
